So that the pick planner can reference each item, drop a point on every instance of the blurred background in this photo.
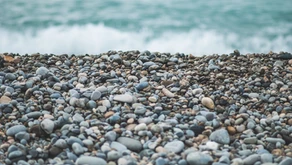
(186, 26)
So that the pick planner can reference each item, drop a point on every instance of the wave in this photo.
(95, 39)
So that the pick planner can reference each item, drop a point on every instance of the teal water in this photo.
(189, 26)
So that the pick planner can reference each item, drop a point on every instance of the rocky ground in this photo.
(149, 108)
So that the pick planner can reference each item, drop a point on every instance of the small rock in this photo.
(126, 98)
(90, 160)
(174, 146)
(95, 95)
(15, 129)
(131, 144)
(208, 102)
(250, 140)
(5, 100)
(220, 136)
(42, 71)
(199, 158)
(250, 160)
(167, 92)
(48, 126)
(77, 148)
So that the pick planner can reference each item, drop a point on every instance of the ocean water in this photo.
(189, 26)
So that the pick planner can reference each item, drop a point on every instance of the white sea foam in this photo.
(95, 39)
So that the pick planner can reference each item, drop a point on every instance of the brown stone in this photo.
(5, 100)
(289, 122)
(109, 114)
(277, 152)
(231, 130)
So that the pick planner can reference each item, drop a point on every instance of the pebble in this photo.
(42, 71)
(48, 126)
(95, 95)
(126, 98)
(167, 93)
(208, 102)
(199, 158)
(220, 136)
(131, 144)
(5, 100)
(174, 146)
(15, 129)
(90, 160)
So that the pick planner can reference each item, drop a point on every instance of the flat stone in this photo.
(199, 158)
(90, 160)
(220, 136)
(250, 140)
(131, 144)
(174, 146)
(15, 129)
(126, 98)
(250, 160)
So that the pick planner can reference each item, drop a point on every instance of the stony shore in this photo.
(146, 108)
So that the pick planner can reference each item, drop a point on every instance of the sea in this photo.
(197, 27)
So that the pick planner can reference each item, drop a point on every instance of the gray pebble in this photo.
(77, 148)
(174, 146)
(15, 129)
(48, 126)
(131, 144)
(250, 160)
(90, 160)
(42, 71)
(199, 158)
(220, 136)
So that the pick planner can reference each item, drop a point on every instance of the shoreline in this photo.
(146, 108)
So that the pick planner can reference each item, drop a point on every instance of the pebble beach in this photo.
(146, 108)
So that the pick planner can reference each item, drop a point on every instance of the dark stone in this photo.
(285, 56)
(197, 129)
(37, 130)
(54, 151)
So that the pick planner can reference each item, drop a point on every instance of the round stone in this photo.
(174, 146)
(77, 148)
(220, 136)
(42, 71)
(95, 95)
(10, 76)
(208, 102)
(48, 126)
